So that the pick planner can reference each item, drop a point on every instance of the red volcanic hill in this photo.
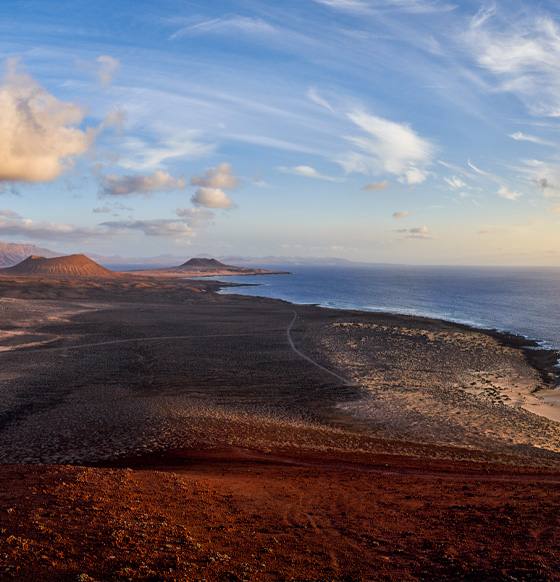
(200, 267)
(203, 264)
(68, 266)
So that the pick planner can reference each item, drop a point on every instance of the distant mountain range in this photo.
(80, 266)
(12, 254)
(273, 260)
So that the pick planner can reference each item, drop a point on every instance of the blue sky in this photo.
(411, 131)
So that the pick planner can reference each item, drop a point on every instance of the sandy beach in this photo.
(265, 429)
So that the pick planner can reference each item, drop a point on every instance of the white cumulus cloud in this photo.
(193, 212)
(222, 176)
(376, 186)
(211, 184)
(197, 217)
(39, 135)
(212, 198)
(112, 185)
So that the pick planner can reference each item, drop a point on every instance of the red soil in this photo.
(68, 266)
(225, 514)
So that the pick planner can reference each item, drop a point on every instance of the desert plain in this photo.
(153, 429)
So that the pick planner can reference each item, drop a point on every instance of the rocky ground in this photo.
(432, 381)
(153, 430)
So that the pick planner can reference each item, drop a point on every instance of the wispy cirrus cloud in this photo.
(504, 192)
(389, 147)
(316, 98)
(103, 69)
(543, 176)
(346, 5)
(455, 182)
(141, 156)
(236, 24)
(523, 55)
(375, 6)
(482, 172)
(519, 136)
(108, 66)
(308, 172)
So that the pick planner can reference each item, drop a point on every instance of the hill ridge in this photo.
(66, 266)
(203, 263)
(13, 253)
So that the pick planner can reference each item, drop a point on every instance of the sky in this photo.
(387, 131)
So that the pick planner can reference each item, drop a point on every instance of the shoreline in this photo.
(528, 340)
(477, 377)
(546, 360)
(227, 456)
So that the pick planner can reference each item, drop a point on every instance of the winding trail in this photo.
(132, 340)
(302, 355)
(181, 337)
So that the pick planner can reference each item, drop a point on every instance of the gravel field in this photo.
(153, 430)
(84, 381)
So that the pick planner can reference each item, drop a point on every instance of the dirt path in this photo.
(302, 355)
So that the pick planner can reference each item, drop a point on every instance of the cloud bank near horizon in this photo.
(454, 117)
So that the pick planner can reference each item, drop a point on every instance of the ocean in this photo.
(522, 300)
